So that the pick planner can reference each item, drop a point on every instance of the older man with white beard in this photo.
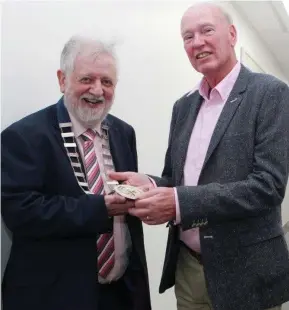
(74, 245)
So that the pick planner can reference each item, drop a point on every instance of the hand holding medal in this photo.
(128, 191)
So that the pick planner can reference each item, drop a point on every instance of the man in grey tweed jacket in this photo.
(225, 175)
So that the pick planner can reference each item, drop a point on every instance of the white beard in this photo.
(89, 117)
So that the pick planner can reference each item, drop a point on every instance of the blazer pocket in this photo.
(247, 239)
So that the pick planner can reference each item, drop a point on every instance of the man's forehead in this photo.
(97, 59)
(95, 62)
(200, 15)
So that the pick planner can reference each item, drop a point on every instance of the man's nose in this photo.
(96, 89)
(198, 41)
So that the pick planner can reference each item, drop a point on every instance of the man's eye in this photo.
(208, 30)
(107, 82)
(189, 37)
(85, 80)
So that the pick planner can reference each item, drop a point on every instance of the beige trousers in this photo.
(190, 287)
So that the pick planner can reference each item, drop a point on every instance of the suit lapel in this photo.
(59, 140)
(61, 117)
(57, 134)
(228, 111)
(185, 135)
(222, 124)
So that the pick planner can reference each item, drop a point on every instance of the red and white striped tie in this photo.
(105, 242)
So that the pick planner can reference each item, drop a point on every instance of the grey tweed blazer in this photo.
(237, 203)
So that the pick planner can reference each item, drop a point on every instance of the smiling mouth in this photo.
(93, 101)
(203, 55)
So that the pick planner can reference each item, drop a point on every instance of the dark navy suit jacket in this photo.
(54, 224)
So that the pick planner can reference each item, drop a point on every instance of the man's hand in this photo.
(132, 178)
(156, 206)
(117, 205)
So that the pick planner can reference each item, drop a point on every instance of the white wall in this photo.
(154, 72)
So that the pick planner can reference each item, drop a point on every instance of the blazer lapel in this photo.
(66, 139)
(60, 142)
(184, 137)
(222, 124)
(228, 112)
(61, 117)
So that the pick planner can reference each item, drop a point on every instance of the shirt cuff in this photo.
(153, 182)
(178, 213)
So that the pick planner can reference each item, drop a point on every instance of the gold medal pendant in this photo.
(128, 191)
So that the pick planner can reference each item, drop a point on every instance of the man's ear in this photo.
(233, 35)
(61, 80)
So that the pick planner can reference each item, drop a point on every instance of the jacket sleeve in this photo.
(27, 210)
(265, 186)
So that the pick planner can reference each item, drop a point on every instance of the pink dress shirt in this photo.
(122, 240)
(202, 132)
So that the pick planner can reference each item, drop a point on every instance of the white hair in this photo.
(78, 45)
(216, 4)
(226, 13)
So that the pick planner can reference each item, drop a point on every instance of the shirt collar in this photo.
(79, 129)
(224, 88)
(226, 85)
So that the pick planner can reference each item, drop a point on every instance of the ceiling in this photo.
(271, 21)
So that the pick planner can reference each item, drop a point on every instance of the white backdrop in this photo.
(154, 72)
